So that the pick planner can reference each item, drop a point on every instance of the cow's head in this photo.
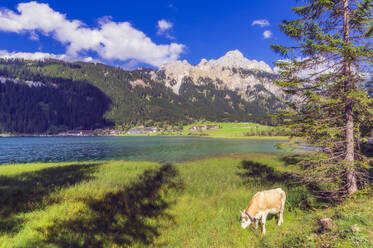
(245, 219)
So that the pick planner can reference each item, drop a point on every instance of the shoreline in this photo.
(283, 138)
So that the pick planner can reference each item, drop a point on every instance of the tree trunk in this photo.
(348, 85)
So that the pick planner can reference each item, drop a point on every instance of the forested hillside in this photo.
(50, 96)
(54, 106)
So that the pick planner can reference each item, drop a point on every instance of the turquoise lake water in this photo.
(158, 149)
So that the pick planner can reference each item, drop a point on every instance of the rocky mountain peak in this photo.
(177, 68)
(203, 62)
(234, 54)
(235, 59)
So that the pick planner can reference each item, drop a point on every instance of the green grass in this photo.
(5, 134)
(236, 130)
(189, 204)
(241, 130)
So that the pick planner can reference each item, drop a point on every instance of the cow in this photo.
(264, 203)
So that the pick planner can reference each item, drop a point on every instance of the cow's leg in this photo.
(256, 223)
(264, 218)
(281, 219)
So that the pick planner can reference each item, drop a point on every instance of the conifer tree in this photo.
(325, 72)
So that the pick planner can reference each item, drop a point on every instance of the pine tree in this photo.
(325, 72)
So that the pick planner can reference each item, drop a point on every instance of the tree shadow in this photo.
(129, 215)
(28, 191)
(254, 171)
(291, 159)
(366, 149)
(370, 172)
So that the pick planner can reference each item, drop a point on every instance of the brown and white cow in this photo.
(264, 203)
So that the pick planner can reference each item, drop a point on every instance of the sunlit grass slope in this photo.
(233, 129)
(246, 130)
(190, 204)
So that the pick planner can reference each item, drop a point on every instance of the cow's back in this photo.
(270, 199)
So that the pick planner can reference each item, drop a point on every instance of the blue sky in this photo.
(134, 33)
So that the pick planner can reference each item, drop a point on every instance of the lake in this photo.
(157, 149)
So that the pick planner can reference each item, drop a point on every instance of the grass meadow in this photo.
(240, 130)
(189, 204)
(236, 129)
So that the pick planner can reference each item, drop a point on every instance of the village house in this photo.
(135, 131)
(78, 133)
(204, 127)
(142, 130)
(113, 133)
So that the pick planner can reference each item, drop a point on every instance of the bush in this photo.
(300, 198)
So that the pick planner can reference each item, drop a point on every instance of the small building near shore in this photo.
(135, 131)
(78, 133)
(204, 127)
(143, 130)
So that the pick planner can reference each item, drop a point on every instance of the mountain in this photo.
(232, 71)
(250, 79)
(55, 95)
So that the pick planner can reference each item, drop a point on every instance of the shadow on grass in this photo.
(28, 191)
(370, 171)
(121, 218)
(366, 149)
(253, 171)
(291, 159)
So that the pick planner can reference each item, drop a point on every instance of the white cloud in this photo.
(4, 54)
(34, 36)
(104, 19)
(110, 40)
(267, 34)
(164, 28)
(130, 65)
(164, 25)
(261, 23)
